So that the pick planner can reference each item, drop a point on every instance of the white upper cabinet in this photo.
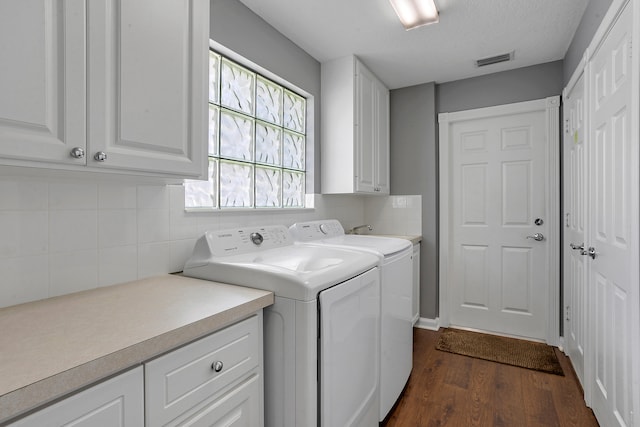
(148, 84)
(111, 85)
(42, 80)
(355, 129)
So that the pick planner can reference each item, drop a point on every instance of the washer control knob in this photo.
(324, 228)
(217, 366)
(256, 238)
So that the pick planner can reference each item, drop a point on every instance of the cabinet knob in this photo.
(77, 153)
(100, 156)
(217, 366)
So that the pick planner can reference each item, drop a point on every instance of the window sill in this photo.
(247, 210)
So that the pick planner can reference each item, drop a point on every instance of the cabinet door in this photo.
(148, 85)
(42, 80)
(117, 402)
(365, 130)
(381, 172)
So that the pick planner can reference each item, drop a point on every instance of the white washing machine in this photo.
(321, 337)
(396, 269)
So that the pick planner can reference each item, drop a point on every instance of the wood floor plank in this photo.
(451, 390)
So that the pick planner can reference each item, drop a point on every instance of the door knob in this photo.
(538, 237)
(591, 251)
(577, 248)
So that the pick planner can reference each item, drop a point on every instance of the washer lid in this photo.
(330, 231)
(293, 271)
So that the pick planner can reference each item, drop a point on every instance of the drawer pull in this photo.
(217, 366)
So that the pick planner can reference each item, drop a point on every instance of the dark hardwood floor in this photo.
(451, 390)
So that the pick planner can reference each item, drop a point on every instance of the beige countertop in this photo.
(52, 347)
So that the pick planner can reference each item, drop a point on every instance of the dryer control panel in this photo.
(315, 230)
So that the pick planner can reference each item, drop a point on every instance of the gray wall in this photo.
(522, 84)
(236, 27)
(414, 166)
(593, 14)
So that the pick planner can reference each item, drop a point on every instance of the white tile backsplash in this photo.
(117, 227)
(111, 196)
(73, 230)
(23, 233)
(117, 264)
(153, 225)
(72, 271)
(65, 236)
(24, 279)
(399, 215)
(76, 196)
(23, 195)
(154, 259)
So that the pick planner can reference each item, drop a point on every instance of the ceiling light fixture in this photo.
(415, 13)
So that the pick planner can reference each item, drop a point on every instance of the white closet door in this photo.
(613, 225)
(574, 271)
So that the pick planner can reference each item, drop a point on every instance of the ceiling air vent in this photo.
(494, 59)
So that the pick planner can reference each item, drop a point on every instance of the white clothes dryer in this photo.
(396, 270)
(321, 337)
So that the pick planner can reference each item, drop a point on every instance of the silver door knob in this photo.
(77, 153)
(591, 251)
(538, 237)
(100, 156)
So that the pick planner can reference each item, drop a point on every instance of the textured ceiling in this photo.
(538, 31)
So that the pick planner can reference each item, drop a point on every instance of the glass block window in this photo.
(257, 139)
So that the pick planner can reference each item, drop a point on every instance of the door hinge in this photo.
(567, 314)
(566, 222)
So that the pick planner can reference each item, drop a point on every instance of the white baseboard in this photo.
(431, 324)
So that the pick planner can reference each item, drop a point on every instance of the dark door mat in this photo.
(510, 351)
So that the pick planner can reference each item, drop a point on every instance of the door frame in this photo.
(551, 106)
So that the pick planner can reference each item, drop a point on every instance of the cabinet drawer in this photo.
(239, 407)
(180, 380)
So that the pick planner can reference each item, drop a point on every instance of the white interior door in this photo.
(574, 273)
(501, 177)
(613, 225)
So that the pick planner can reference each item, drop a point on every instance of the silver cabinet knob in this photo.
(538, 237)
(77, 153)
(100, 156)
(217, 366)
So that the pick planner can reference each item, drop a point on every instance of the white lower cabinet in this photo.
(117, 402)
(216, 380)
